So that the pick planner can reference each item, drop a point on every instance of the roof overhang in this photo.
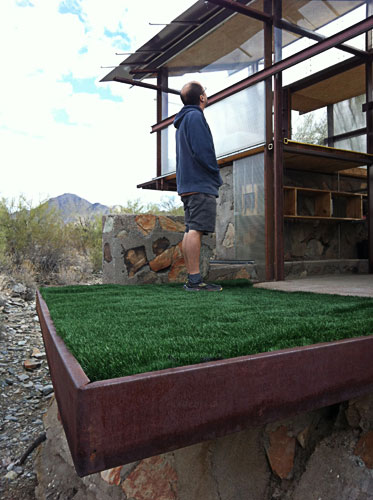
(202, 38)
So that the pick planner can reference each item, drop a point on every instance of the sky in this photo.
(61, 130)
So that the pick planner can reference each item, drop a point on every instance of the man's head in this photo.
(194, 94)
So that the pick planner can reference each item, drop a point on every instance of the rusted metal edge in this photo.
(122, 420)
(67, 378)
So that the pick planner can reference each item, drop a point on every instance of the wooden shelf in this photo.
(324, 159)
(321, 204)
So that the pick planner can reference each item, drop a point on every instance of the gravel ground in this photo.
(25, 392)
(25, 389)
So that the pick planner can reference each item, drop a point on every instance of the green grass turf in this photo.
(115, 330)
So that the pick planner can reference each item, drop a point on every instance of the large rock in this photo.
(334, 472)
(229, 468)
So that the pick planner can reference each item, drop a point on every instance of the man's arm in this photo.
(201, 143)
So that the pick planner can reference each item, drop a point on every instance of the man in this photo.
(198, 179)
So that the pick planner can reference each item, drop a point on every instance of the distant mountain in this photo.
(72, 207)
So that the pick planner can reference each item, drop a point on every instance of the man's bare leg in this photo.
(192, 250)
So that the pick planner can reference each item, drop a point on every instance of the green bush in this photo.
(85, 236)
(34, 235)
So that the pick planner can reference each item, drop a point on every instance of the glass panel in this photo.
(248, 189)
(313, 64)
(238, 122)
(348, 115)
(325, 18)
(358, 143)
(310, 128)
(231, 52)
(168, 150)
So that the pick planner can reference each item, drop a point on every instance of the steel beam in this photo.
(346, 135)
(137, 83)
(294, 28)
(243, 9)
(318, 48)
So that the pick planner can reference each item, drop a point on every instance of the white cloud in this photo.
(108, 148)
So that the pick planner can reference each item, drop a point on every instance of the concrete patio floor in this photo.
(336, 284)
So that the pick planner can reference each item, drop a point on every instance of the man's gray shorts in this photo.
(200, 212)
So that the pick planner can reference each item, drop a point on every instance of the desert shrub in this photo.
(31, 237)
(167, 206)
(85, 236)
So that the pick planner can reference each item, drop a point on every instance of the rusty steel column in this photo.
(268, 154)
(369, 123)
(278, 153)
(330, 121)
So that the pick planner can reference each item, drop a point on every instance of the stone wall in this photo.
(324, 454)
(318, 240)
(146, 248)
(225, 228)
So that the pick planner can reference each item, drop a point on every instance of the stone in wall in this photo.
(225, 217)
(162, 261)
(228, 241)
(135, 259)
(168, 224)
(178, 270)
(360, 413)
(281, 452)
(364, 449)
(145, 223)
(160, 245)
(107, 253)
(152, 478)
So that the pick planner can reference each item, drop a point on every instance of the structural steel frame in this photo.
(278, 96)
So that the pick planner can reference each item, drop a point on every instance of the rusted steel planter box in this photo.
(118, 421)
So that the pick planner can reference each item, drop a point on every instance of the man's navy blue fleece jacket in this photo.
(197, 170)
